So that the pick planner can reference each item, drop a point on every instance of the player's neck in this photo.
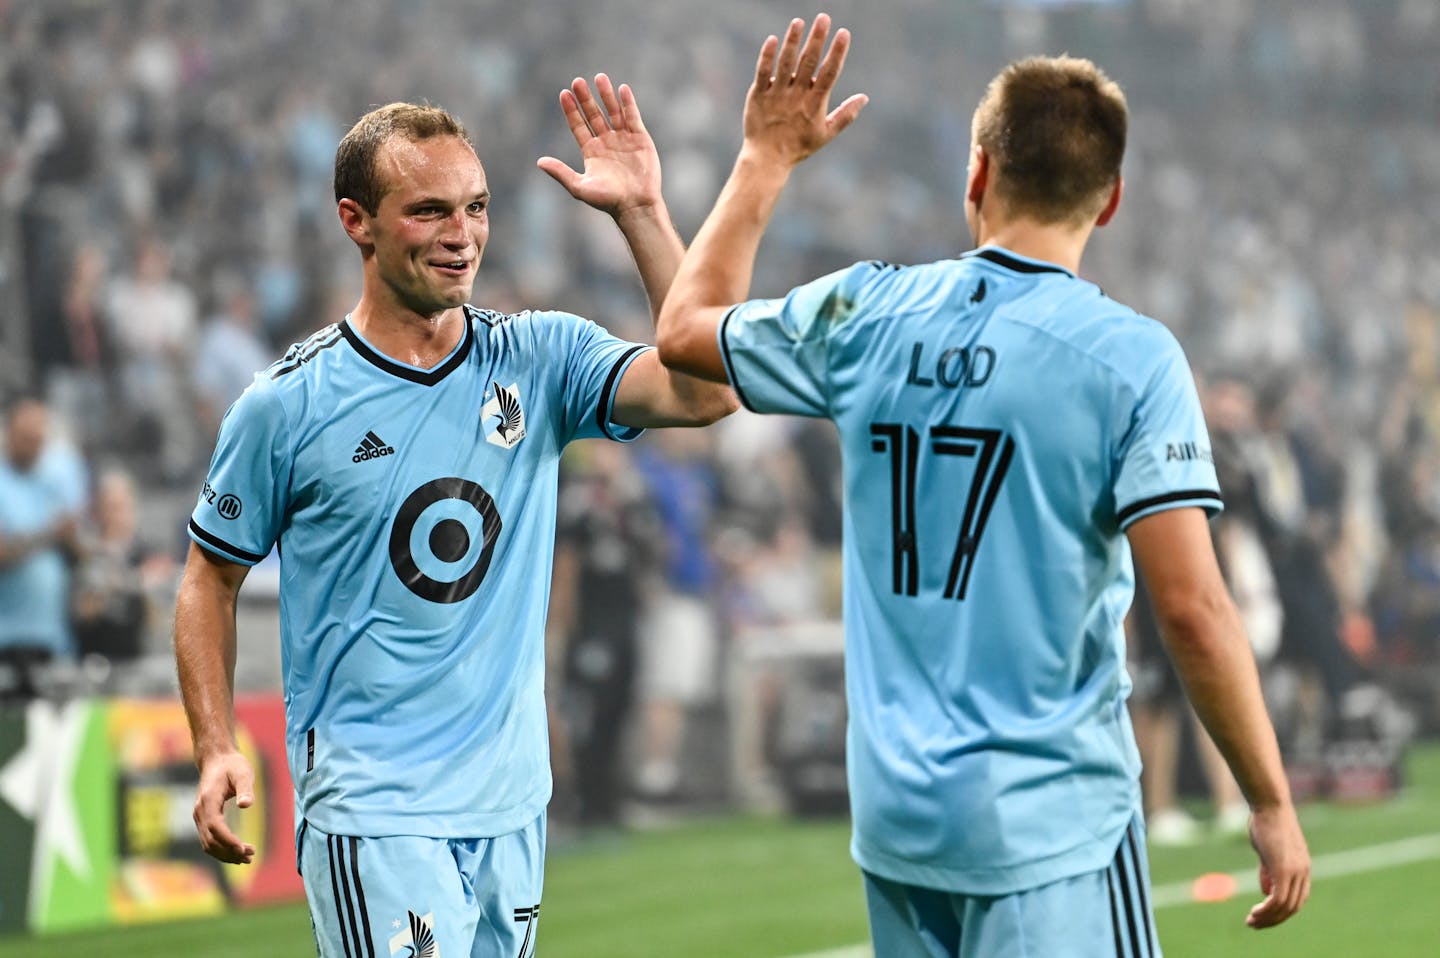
(407, 337)
(1047, 242)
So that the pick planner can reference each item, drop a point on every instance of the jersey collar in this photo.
(425, 377)
(1014, 261)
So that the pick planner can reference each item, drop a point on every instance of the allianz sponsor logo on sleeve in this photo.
(508, 426)
(1188, 452)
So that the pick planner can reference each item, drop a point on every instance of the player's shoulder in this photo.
(301, 355)
(492, 323)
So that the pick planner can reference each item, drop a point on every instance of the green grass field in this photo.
(765, 888)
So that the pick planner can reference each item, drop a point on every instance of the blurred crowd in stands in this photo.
(167, 228)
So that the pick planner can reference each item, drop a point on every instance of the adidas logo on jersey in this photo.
(371, 447)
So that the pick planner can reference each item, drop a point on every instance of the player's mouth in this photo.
(452, 267)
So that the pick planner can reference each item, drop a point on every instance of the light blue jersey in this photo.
(414, 512)
(1001, 423)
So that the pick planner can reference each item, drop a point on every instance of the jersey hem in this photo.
(426, 825)
(1090, 857)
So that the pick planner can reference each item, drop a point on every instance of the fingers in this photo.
(814, 46)
(834, 61)
(765, 66)
(589, 106)
(630, 110)
(606, 90)
(584, 113)
(1283, 898)
(561, 173)
(789, 50)
(216, 836)
(574, 117)
(845, 114)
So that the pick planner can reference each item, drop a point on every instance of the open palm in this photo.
(621, 165)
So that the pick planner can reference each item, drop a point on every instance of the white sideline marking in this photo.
(1353, 862)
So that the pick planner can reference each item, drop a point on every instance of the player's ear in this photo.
(978, 175)
(355, 221)
(1112, 204)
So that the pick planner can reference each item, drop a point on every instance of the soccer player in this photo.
(1009, 436)
(404, 462)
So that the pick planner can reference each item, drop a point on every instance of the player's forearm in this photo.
(656, 248)
(722, 259)
(205, 662)
(1213, 659)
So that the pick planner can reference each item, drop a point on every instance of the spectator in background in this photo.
(153, 325)
(42, 492)
(231, 350)
(110, 601)
(680, 635)
(607, 545)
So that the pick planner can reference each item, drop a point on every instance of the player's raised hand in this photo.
(787, 112)
(621, 164)
(222, 778)
(1284, 865)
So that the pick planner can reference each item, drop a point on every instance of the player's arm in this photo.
(1202, 631)
(787, 118)
(622, 178)
(205, 660)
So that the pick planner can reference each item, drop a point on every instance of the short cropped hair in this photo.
(1054, 129)
(356, 176)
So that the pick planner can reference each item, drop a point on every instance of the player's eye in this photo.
(477, 207)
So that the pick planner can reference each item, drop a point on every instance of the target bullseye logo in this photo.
(436, 529)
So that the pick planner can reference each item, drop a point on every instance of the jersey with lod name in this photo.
(414, 513)
(1001, 423)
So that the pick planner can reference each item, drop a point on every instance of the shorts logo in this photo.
(506, 407)
(417, 940)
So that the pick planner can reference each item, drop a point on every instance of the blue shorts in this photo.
(424, 897)
(1106, 912)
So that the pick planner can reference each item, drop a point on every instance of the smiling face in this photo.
(422, 245)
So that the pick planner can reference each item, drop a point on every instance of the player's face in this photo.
(432, 224)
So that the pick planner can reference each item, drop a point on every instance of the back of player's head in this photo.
(357, 176)
(1054, 129)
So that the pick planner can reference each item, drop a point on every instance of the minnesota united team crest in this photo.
(418, 940)
(504, 406)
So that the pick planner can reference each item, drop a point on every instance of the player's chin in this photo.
(456, 293)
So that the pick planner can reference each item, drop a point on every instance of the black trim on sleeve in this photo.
(1184, 494)
(425, 377)
(729, 363)
(218, 544)
(607, 404)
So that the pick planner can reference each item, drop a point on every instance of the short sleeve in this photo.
(591, 362)
(776, 351)
(242, 504)
(1165, 460)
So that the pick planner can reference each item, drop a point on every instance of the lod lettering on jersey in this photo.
(956, 366)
